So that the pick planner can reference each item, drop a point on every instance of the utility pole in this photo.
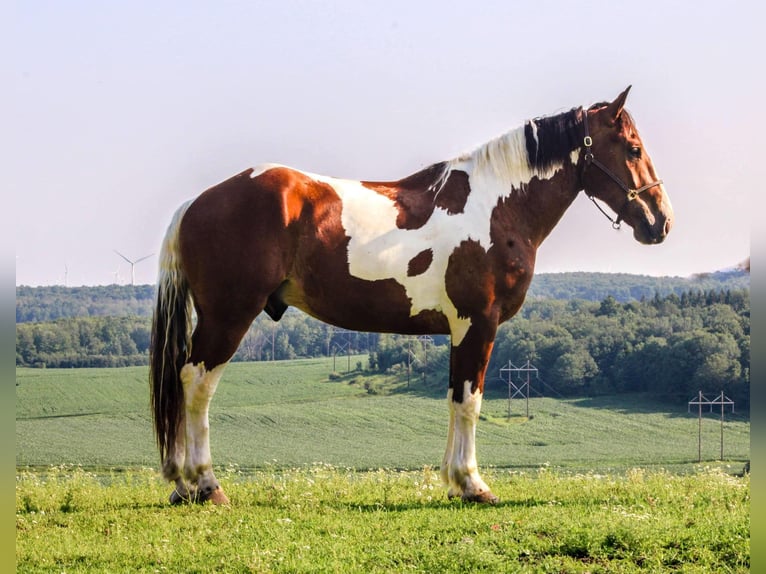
(409, 359)
(701, 399)
(425, 341)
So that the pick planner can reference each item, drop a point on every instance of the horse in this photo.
(447, 250)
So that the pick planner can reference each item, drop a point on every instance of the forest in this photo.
(690, 334)
(41, 304)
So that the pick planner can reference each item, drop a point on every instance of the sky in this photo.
(117, 112)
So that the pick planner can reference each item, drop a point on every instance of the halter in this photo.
(591, 160)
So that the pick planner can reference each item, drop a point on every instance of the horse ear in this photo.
(614, 109)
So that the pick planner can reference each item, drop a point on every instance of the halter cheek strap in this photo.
(591, 160)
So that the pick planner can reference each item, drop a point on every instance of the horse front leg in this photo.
(468, 364)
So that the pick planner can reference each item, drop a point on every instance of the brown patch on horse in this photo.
(420, 263)
(454, 194)
(417, 195)
(242, 215)
(469, 279)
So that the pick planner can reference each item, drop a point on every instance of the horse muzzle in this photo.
(653, 232)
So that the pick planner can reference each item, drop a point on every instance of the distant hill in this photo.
(626, 287)
(38, 304)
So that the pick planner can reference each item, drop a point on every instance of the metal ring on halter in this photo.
(615, 222)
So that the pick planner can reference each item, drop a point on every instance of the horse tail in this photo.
(170, 345)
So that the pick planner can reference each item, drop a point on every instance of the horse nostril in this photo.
(668, 225)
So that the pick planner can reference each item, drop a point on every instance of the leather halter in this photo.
(591, 160)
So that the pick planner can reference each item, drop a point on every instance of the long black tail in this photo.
(171, 341)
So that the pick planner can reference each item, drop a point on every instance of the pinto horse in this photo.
(447, 250)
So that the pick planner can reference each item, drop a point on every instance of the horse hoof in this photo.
(454, 493)
(485, 497)
(218, 497)
(178, 498)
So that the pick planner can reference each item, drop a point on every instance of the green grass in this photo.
(290, 414)
(325, 519)
(342, 476)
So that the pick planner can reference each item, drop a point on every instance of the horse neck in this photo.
(531, 210)
(545, 202)
(533, 193)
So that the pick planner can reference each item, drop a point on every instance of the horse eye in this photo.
(635, 152)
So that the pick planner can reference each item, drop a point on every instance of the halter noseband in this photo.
(591, 160)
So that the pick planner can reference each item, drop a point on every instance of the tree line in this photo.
(672, 345)
(45, 304)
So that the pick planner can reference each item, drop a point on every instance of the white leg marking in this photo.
(462, 471)
(447, 460)
(199, 387)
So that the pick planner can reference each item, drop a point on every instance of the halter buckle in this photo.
(632, 194)
(588, 141)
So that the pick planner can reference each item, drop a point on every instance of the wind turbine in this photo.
(133, 265)
(65, 280)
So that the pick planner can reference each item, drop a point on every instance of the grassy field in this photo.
(324, 519)
(342, 476)
(289, 414)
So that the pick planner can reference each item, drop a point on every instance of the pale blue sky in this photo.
(116, 112)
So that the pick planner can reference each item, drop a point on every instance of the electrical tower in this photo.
(522, 388)
(344, 346)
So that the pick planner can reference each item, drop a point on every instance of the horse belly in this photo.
(352, 303)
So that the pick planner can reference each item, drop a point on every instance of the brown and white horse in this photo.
(448, 250)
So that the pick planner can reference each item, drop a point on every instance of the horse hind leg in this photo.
(199, 385)
(173, 467)
(213, 344)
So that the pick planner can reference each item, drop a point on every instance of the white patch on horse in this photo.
(378, 249)
(533, 126)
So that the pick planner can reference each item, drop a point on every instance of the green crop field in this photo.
(289, 414)
(342, 476)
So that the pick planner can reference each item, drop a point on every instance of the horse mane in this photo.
(538, 148)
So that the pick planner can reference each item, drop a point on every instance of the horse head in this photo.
(618, 170)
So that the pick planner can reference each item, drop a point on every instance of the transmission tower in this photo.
(522, 388)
